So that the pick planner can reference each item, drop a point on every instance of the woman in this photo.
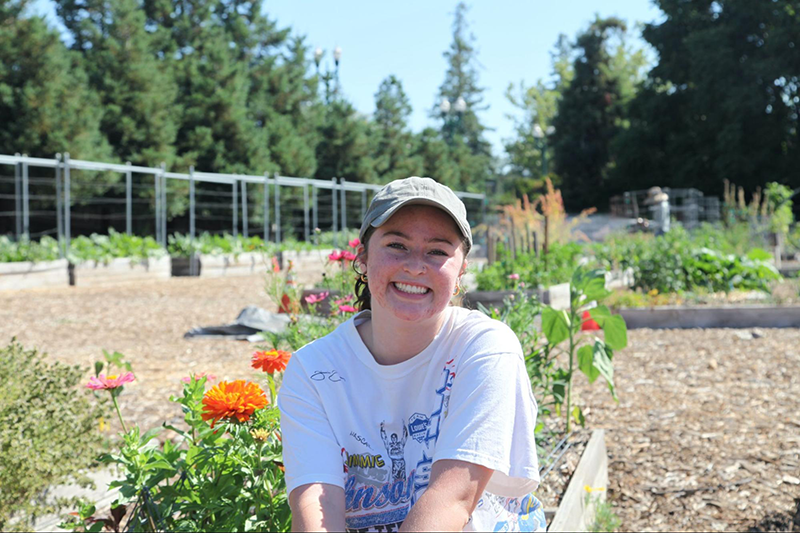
(413, 413)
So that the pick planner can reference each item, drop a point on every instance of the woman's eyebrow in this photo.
(404, 236)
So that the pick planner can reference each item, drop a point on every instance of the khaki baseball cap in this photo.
(415, 191)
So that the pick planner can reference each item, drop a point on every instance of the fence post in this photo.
(17, 199)
(315, 212)
(26, 213)
(191, 222)
(363, 203)
(245, 229)
(59, 212)
(163, 205)
(344, 211)
(157, 206)
(235, 208)
(335, 224)
(266, 206)
(277, 209)
(128, 201)
(67, 205)
(306, 221)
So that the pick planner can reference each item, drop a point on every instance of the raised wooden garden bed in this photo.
(119, 270)
(244, 264)
(680, 317)
(27, 275)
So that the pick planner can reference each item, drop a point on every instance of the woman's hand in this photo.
(317, 507)
(451, 497)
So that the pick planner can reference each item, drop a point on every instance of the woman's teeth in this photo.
(412, 289)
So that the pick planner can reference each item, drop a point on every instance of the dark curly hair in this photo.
(363, 296)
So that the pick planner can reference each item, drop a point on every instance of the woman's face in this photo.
(414, 262)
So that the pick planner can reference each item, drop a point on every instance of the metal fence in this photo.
(688, 206)
(64, 197)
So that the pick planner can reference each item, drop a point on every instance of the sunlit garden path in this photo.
(706, 434)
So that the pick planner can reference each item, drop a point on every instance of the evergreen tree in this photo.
(393, 143)
(136, 91)
(434, 154)
(462, 130)
(590, 115)
(344, 147)
(46, 105)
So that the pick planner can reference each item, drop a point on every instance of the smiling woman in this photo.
(430, 422)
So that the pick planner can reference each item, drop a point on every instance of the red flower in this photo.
(589, 324)
(354, 243)
(348, 256)
(286, 304)
(347, 309)
(335, 256)
(275, 266)
(271, 361)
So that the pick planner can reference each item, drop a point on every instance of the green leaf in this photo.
(759, 254)
(577, 415)
(601, 360)
(616, 332)
(555, 325)
(599, 314)
(595, 288)
(98, 367)
(586, 362)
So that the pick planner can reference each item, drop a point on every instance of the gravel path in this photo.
(706, 435)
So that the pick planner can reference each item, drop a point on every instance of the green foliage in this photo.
(393, 142)
(45, 249)
(48, 433)
(227, 478)
(104, 248)
(779, 205)
(507, 272)
(594, 355)
(677, 262)
(180, 245)
(605, 519)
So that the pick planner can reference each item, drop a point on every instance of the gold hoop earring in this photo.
(364, 278)
(458, 290)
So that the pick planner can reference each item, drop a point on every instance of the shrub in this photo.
(104, 248)
(533, 270)
(48, 432)
(46, 249)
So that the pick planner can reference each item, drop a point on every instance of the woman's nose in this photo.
(415, 264)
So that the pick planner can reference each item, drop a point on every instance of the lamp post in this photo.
(447, 109)
(541, 136)
(328, 76)
(337, 55)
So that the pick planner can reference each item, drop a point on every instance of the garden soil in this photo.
(706, 435)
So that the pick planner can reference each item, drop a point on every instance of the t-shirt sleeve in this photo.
(311, 452)
(492, 415)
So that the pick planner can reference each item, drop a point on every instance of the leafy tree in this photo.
(590, 115)
(722, 102)
(434, 154)
(393, 142)
(344, 147)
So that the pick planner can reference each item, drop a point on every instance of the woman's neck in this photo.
(392, 341)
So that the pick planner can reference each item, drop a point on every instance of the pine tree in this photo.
(589, 116)
(393, 143)
(136, 91)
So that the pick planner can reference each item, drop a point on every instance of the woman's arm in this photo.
(451, 497)
(317, 507)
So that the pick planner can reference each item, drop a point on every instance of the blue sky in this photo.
(379, 38)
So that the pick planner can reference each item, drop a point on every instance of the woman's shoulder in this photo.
(484, 333)
(328, 347)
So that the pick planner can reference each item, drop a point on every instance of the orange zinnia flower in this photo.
(232, 399)
(271, 361)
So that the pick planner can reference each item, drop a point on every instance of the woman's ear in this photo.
(361, 257)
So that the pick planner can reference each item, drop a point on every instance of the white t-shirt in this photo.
(376, 430)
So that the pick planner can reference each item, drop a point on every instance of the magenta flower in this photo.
(347, 309)
(316, 298)
(198, 377)
(335, 256)
(354, 243)
(103, 382)
(348, 256)
(513, 276)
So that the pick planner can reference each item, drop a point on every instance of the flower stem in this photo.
(116, 406)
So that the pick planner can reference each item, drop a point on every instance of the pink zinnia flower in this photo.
(335, 256)
(347, 309)
(315, 298)
(198, 377)
(348, 256)
(513, 276)
(103, 382)
(354, 243)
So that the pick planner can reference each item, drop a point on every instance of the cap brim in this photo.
(420, 200)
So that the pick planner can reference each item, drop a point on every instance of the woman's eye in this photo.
(439, 252)
(397, 245)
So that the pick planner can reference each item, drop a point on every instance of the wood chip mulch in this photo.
(706, 435)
